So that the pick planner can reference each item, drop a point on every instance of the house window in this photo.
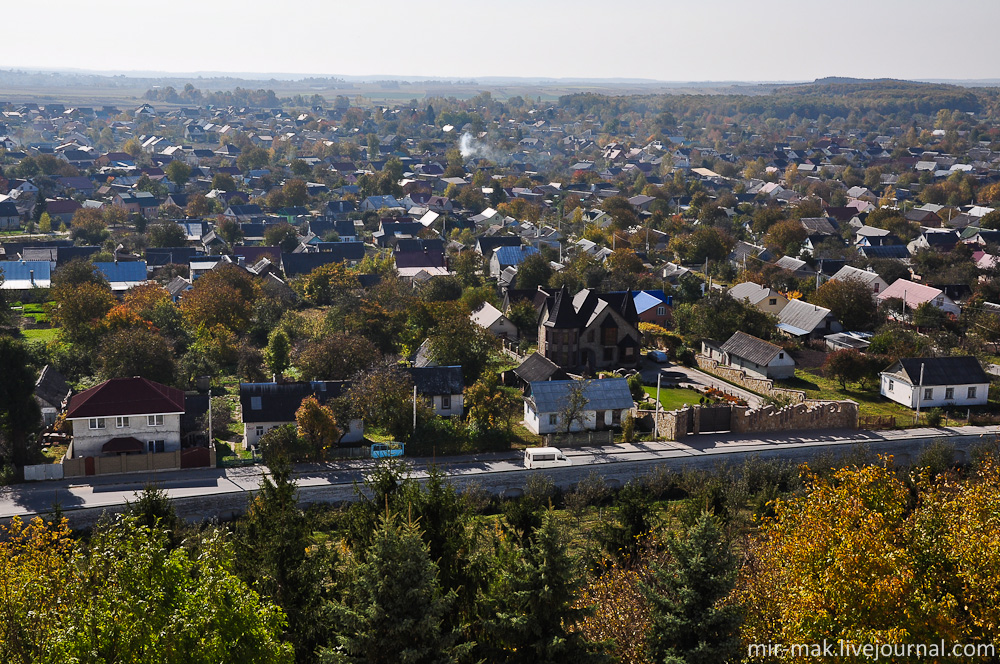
(773, 301)
(628, 352)
(154, 420)
(121, 422)
(609, 354)
(972, 393)
(255, 403)
(609, 336)
(616, 417)
(928, 394)
(553, 419)
(891, 383)
(260, 431)
(97, 423)
(661, 311)
(876, 287)
(156, 445)
(781, 356)
(445, 402)
(949, 393)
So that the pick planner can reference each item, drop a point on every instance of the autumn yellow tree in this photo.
(223, 297)
(870, 558)
(318, 425)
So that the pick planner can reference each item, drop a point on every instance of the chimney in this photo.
(31, 275)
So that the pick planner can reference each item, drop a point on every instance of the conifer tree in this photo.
(392, 609)
(689, 624)
(534, 606)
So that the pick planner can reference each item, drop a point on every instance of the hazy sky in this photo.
(666, 40)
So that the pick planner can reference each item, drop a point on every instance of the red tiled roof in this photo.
(126, 396)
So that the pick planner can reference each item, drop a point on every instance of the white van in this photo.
(545, 457)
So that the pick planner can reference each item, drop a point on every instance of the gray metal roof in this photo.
(802, 315)
(751, 348)
(606, 394)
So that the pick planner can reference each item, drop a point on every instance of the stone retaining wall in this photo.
(673, 425)
(763, 386)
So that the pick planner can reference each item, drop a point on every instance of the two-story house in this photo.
(126, 416)
(589, 331)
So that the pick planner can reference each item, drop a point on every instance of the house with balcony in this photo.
(126, 416)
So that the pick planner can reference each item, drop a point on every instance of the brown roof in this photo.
(126, 396)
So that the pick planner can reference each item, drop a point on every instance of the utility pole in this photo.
(920, 392)
(414, 407)
(656, 417)
(210, 437)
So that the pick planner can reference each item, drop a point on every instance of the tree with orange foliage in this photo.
(318, 426)
(222, 297)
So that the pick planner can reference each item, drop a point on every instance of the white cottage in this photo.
(545, 405)
(936, 381)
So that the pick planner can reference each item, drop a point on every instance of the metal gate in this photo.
(712, 419)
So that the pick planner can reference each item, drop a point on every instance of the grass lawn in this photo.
(44, 335)
(870, 402)
(672, 398)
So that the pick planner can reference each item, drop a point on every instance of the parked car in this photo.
(658, 356)
(385, 450)
(545, 457)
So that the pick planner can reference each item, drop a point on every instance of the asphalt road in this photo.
(108, 491)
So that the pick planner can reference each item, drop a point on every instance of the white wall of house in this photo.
(455, 403)
(543, 423)
(254, 431)
(88, 442)
(782, 366)
(502, 327)
(933, 396)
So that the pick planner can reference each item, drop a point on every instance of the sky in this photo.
(665, 40)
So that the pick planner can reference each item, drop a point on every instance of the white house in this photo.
(267, 406)
(545, 405)
(757, 357)
(936, 381)
(443, 386)
(126, 416)
(492, 319)
(868, 277)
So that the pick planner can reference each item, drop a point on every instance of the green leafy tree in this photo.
(277, 355)
(19, 413)
(335, 356)
(281, 235)
(851, 301)
(534, 271)
(393, 608)
(383, 396)
(691, 622)
(178, 172)
(718, 316)
(166, 234)
(138, 599)
(136, 351)
(223, 182)
(456, 341)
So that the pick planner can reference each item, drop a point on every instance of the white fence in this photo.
(43, 471)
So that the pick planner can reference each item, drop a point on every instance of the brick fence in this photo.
(763, 386)
(674, 424)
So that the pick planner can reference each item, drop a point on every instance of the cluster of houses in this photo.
(576, 333)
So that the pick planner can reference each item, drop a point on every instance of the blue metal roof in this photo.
(122, 271)
(19, 273)
(514, 255)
